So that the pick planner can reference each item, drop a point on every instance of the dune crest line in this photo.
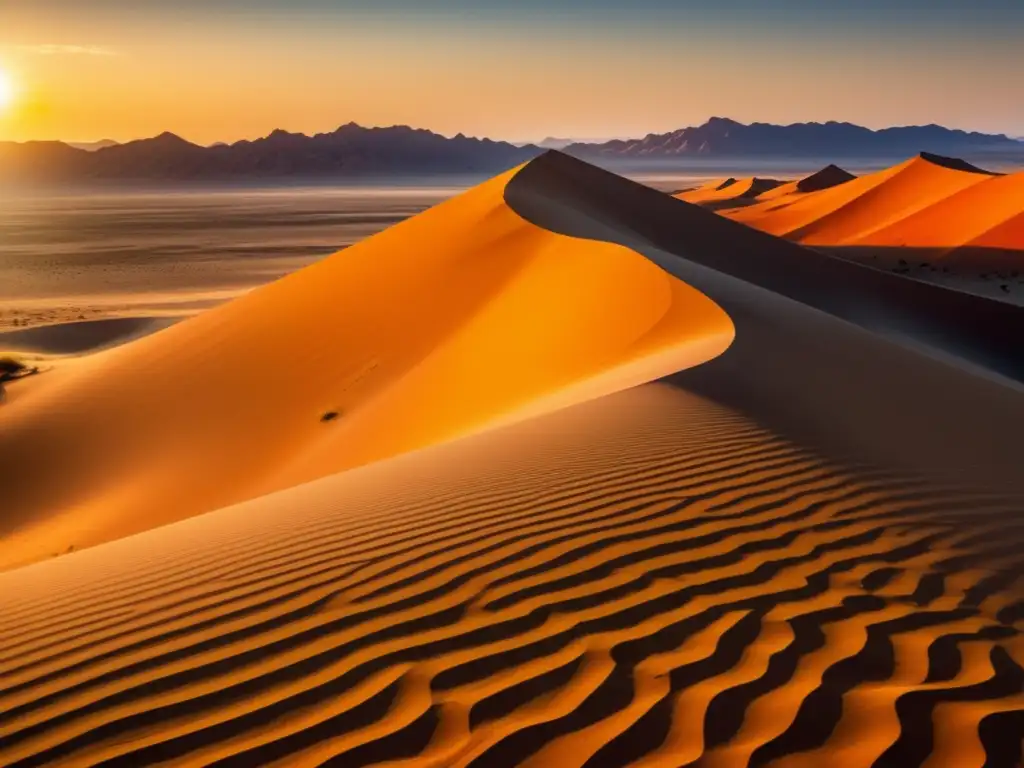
(460, 319)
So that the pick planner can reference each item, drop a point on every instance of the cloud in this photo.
(68, 50)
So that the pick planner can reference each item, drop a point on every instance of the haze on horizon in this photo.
(124, 69)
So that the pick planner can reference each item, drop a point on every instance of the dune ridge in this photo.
(730, 191)
(936, 207)
(988, 214)
(842, 214)
(827, 177)
(456, 320)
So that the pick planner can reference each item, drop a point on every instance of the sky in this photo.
(223, 70)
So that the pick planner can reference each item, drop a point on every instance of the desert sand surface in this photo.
(649, 578)
(845, 213)
(70, 255)
(697, 508)
(729, 192)
(829, 176)
(450, 322)
(932, 218)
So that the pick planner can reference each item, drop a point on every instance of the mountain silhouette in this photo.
(721, 136)
(356, 151)
(351, 150)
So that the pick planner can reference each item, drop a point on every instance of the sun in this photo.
(6, 90)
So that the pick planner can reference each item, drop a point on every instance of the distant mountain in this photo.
(92, 146)
(352, 150)
(720, 136)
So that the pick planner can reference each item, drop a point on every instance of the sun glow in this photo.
(6, 90)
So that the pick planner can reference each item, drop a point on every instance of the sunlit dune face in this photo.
(6, 90)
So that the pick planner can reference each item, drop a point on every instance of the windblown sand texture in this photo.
(645, 579)
(513, 550)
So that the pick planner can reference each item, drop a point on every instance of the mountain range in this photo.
(721, 136)
(352, 150)
(356, 151)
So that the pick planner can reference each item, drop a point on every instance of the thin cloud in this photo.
(68, 50)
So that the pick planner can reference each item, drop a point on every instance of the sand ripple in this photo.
(659, 581)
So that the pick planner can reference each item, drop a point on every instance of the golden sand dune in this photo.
(935, 219)
(828, 177)
(927, 202)
(849, 212)
(798, 549)
(987, 214)
(938, 216)
(456, 320)
(729, 191)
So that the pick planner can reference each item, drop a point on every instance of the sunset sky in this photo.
(221, 70)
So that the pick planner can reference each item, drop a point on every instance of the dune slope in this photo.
(730, 191)
(828, 177)
(848, 212)
(456, 320)
(928, 207)
(981, 214)
(947, 324)
(648, 578)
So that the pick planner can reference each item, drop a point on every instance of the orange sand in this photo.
(921, 203)
(580, 586)
(721, 190)
(849, 212)
(828, 177)
(988, 214)
(506, 553)
(457, 320)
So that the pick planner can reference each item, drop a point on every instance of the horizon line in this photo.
(562, 135)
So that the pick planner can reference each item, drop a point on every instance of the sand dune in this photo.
(926, 203)
(935, 219)
(988, 214)
(844, 214)
(828, 177)
(459, 319)
(799, 548)
(729, 191)
(971, 329)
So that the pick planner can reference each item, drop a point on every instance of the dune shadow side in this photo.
(858, 363)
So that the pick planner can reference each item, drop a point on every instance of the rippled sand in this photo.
(554, 474)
